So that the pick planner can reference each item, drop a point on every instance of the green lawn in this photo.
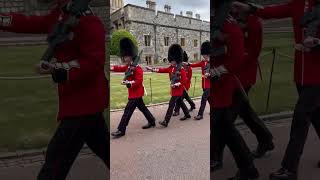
(28, 108)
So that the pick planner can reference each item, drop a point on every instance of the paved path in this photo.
(179, 152)
(271, 162)
(85, 168)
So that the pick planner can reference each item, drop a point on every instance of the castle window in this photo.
(195, 43)
(166, 41)
(148, 60)
(183, 42)
(147, 40)
(195, 56)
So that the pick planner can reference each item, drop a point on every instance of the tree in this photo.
(115, 40)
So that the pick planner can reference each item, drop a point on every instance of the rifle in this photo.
(131, 68)
(61, 31)
(177, 74)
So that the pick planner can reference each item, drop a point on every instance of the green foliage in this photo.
(115, 40)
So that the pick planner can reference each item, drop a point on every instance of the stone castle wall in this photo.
(141, 21)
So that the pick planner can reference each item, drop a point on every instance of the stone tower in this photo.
(116, 4)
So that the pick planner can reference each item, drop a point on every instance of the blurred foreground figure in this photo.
(305, 18)
(227, 57)
(75, 59)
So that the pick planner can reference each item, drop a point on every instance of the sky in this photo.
(201, 7)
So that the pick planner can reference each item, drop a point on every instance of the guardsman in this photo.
(187, 86)
(227, 57)
(306, 76)
(178, 78)
(134, 83)
(78, 70)
(252, 29)
(205, 65)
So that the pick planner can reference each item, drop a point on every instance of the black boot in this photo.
(216, 165)
(319, 164)
(177, 113)
(250, 173)
(149, 125)
(283, 174)
(262, 149)
(118, 134)
(163, 123)
(198, 117)
(185, 117)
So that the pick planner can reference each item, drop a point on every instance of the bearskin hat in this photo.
(205, 48)
(127, 48)
(175, 53)
(185, 56)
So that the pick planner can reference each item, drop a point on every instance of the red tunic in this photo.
(253, 45)
(223, 89)
(86, 91)
(306, 68)
(137, 88)
(205, 81)
(177, 91)
(189, 78)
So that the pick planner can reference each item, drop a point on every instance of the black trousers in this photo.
(172, 103)
(128, 111)
(69, 139)
(306, 112)
(187, 98)
(205, 97)
(242, 107)
(223, 131)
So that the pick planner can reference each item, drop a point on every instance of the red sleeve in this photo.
(119, 68)
(20, 23)
(198, 64)
(275, 11)
(255, 35)
(138, 80)
(91, 49)
(235, 46)
(165, 70)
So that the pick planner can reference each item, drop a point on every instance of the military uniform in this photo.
(224, 84)
(134, 83)
(204, 64)
(187, 86)
(252, 30)
(176, 88)
(306, 76)
(78, 70)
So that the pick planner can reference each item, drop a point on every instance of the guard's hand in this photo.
(124, 82)
(242, 7)
(149, 68)
(311, 42)
(44, 68)
(206, 75)
(185, 63)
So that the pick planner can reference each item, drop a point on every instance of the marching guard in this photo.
(205, 66)
(134, 82)
(77, 67)
(305, 18)
(252, 29)
(177, 76)
(227, 57)
(185, 95)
